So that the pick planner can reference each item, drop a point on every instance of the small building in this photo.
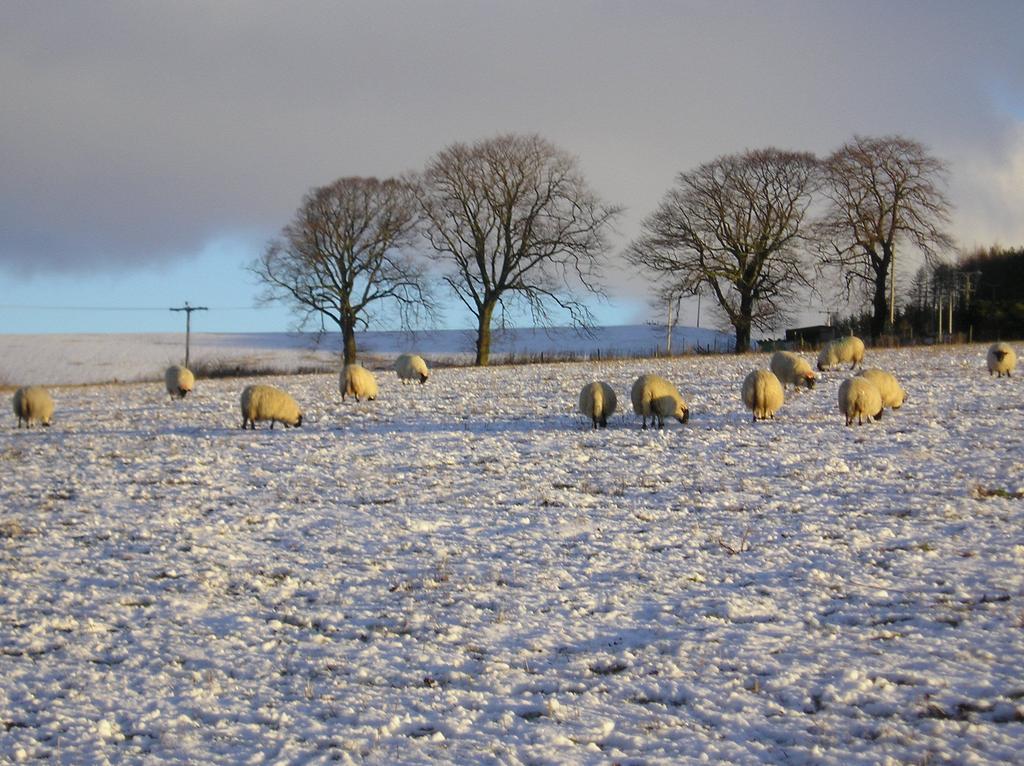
(816, 335)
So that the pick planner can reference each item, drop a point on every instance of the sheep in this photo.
(269, 403)
(355, 380)
(893, 395)
(762, 394)
(32, 404)
(409, 367)
(597, 402)
(792, 368)
(179, 380)
(839, 350)
(860, 398)
(656, 398)
(1001, 359)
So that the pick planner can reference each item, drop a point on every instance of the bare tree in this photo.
(736, 226)
(346, 254)
(515, 221)
(881, 193)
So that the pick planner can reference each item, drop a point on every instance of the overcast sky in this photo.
(149, 150)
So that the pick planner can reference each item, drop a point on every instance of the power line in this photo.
(25, 306)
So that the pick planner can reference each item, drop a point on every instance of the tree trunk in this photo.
(348, 335)
(879, 306)
(743, 323)
(483, 334)
(742, 338)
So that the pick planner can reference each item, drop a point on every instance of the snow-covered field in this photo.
(465, 572)
(58, 359)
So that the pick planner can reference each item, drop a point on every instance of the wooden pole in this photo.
(188, 325)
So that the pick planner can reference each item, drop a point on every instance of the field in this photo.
(466, 572)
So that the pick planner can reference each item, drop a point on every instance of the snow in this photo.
(53, 359)
(466, 572)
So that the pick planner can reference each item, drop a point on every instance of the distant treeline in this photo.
(983, 295)
(996, 309)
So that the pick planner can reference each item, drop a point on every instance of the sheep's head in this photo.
(999, 354)
(423, 378)
(810, 379)
(298, 421)
(682, 413)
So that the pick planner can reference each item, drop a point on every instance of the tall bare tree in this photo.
(736, 226)
(881, 193)
(515, 221)
(346, 254)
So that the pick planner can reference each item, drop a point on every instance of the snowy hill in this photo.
(98, 358)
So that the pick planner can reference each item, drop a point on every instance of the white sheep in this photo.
(410, 367)
(860, 398)
(179, 380)
(1001, 360)
(597, 402)
(892, 392)
(841, 350)
(792, 369)
(355, 380)
(269, 403)
(762, 394)
(655, 398)
(32, 404)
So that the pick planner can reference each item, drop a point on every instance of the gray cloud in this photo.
(136, 132)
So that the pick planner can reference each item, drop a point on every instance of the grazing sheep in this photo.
(762, 394)
(1001, 359)
(840, 350)
(179, 380)
(655, 398)
(269, 403)
(793, 369)
(32, 404)
(357, 381)
(892, 392)
(410, 367)
(860, 398)
(597, 402)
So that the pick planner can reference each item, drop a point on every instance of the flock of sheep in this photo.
(862, 397)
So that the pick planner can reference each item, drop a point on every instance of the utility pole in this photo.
(892, 294)
(188, 323)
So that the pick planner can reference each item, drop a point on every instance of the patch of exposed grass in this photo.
(244, 368)
(983, 493)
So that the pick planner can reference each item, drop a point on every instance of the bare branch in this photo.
(514, 220)
(881, 194)
(736, 227)
(346, 252)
